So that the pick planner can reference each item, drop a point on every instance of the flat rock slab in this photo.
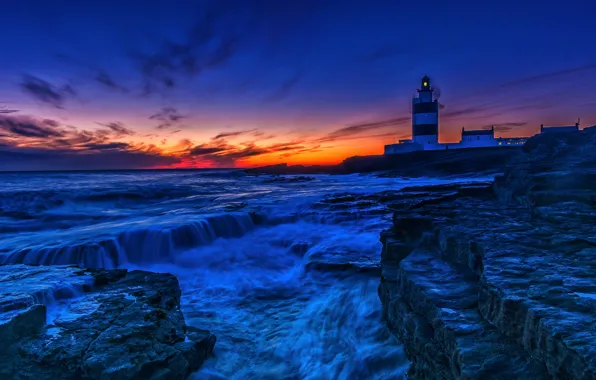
(447, 297)
(532, 279)
(109, 325)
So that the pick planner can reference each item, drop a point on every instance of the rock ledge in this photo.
(501, 286)
(68, 323)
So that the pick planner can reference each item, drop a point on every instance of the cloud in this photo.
(27, 143)
(108, 146)
(27, 127)
(384, 52)
(107, 81)
(231, 134)
(346, 132)
(465, 111)
(202, 150)
(205, 46)
(3, 109)
(220, 153)
(118, 129)
(46, 92)
(550, 75)
(168, 116)
(285, 89)
(504, 127)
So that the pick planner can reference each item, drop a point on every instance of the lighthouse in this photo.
(425, 116)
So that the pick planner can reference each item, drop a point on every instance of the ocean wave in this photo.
(31, 204)
(137, 246)
(26, 205)
(137, 193)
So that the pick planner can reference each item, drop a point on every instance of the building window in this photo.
(477, 137)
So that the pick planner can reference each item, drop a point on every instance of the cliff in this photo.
(413, 164)
(59, 322)
(499, 284)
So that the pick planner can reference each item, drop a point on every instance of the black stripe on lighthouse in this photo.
(425, 129)
(430, 107)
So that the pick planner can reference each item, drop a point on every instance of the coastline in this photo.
(473, 161)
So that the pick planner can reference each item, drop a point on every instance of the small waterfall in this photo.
(139, 246)
(32, 285)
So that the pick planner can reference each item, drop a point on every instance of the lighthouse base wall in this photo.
(413, 146)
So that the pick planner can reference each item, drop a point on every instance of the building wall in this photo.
(478, 141)
(427, 141)
(402, 148)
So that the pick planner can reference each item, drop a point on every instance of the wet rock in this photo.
(109, 324)
(554, 168)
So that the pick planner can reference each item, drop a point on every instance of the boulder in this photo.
(110, 324)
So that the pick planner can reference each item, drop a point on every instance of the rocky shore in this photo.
(500, 283)
(439, 163)
(61, 322)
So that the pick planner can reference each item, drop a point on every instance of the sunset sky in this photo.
(157, 84)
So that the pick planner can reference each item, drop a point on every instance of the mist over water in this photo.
(281, 269)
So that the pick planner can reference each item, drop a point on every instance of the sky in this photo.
(182, 84)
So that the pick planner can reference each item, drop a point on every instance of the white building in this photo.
(477, 138)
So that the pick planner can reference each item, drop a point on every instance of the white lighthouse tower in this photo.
(425, 117)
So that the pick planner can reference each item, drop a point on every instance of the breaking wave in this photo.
(137, 246)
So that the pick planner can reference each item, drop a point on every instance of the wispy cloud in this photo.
(343, 133)
(3, 109)
(204, 47)
(24, 127)
(232, 134)
(504, 127)
(118, 128)
(285, 89)
(168, 117)
(550, 75)
(384, 52)
(106, 80)
(47, 92)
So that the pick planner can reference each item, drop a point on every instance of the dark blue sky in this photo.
(175, 83)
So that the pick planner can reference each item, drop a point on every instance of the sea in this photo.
(282, 269)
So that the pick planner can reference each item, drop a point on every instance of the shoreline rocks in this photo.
(500, 285)
(61, 322)
(414, 164)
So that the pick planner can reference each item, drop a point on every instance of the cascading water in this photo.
(286, 282)
(137, 246)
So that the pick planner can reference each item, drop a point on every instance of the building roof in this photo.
(477, 132)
